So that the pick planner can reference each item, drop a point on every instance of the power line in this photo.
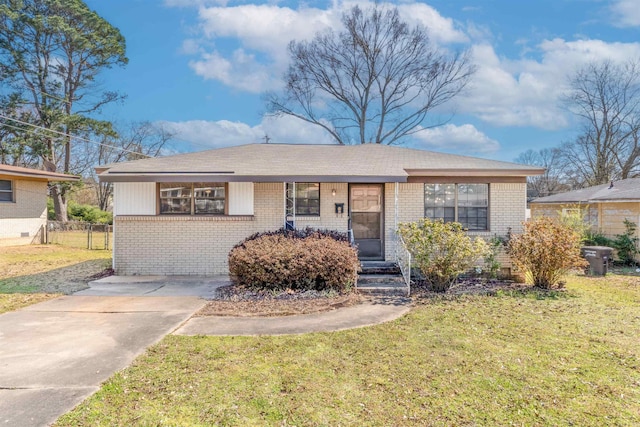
(68, 135)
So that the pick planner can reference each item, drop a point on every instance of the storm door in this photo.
(366, 220)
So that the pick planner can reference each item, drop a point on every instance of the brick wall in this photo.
(507, 206)
(26, 214)
(606, 217)
(198, 245)
(183, 245)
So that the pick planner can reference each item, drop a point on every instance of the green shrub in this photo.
(627, 244)
(575, 219)
(546, 250)
(79, 212)
(295, 260)
(597, 239)
(88, 213)
(492, 266)
(441, 251)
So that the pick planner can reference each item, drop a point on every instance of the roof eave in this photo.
(204, 177)
(474, 172)
(45, 176)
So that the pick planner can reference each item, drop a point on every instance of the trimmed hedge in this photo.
(299, 259)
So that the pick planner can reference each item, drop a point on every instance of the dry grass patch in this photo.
(11, 302)
(34, 273)
(514, 358)
(31, 259)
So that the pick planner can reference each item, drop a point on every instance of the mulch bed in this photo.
(234, 300)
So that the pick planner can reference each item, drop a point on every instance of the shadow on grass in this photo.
(66, 280)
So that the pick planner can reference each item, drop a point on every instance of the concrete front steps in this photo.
(381, 278)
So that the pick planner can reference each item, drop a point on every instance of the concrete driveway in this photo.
(55, 354)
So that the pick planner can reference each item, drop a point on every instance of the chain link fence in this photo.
(77, 234)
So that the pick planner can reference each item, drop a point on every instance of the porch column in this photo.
(395, 220)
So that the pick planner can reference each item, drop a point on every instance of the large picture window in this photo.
(6, 190)
(467, 204)
(200, 198)
(307, 198)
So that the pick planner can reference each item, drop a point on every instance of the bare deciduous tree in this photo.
(374, 81)
(606, 98)
(551, 182)
(134, 141)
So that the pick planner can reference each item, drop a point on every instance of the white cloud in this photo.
(250, 54)
(202, 134)
(526, 92)
(442, 30)
(194, 3)
(240, 70)
(626, 13)
(460, 139)
(261, 34)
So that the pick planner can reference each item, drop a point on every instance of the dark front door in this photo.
(366, 219)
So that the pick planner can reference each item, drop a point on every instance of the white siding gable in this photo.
(134, 198)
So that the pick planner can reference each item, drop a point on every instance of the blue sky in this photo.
(200, 66)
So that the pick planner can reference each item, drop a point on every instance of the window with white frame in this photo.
(467, 204)
(201, 198)
(6, 190)
(307, 198)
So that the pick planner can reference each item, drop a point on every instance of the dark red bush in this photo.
(307, 259)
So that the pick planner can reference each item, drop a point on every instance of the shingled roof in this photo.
(17, 171)
(623, 190)
(289, 162)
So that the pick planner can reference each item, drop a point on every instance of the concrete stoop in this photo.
(381, 278)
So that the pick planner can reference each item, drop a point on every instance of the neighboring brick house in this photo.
(182, 214)
(23, 203)
(604, 206)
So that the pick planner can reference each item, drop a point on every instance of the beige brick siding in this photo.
(194, 245)
(606, 217)
(26, 214)
(507, 205)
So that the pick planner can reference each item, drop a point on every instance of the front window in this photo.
(201, 198)
(6, 190)
(467, 204)
(307, 198)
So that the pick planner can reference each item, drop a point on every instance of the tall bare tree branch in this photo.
(375, 81)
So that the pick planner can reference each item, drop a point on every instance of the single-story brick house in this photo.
(23, 203)
(604, 206)
(182, 214)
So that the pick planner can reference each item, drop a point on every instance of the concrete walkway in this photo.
(377, 311)
(55, 354)
(159, 286)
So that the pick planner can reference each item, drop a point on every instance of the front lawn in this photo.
(520, 359)
(35, 273)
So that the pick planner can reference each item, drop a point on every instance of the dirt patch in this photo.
(240, 301)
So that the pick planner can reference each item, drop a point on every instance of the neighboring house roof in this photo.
(300, 162)
(20, 172)
(623, 190)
